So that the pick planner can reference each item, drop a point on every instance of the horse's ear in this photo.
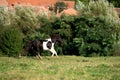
(52, 35)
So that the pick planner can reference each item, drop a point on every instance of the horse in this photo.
(48, 44)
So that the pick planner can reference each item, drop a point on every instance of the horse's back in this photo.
(28, 46)
(37, 44)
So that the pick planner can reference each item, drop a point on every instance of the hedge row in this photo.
(83, 35)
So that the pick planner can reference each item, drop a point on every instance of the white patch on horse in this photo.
(52, 50)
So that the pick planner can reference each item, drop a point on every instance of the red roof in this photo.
(32, 2)
(41, 5)
(45, 3)
(118, 10)
(3, 2)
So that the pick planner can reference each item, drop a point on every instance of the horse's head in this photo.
(56, 37)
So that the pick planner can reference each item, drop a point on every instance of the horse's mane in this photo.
(54, 37)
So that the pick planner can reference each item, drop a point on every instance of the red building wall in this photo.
(44, 3)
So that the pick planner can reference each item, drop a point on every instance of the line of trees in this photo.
(94, 32)
(116, 3)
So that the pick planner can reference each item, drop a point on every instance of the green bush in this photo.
(100, 7)
(96, 32)
(27, 20)
(62, 26)
(11, 41)
(42, 33)
(1, 53)
(116, 49)
(4, 20)
(60, 6)
(45, 24)
(94, 36)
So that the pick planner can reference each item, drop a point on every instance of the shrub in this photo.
(100, 7)
(97, 30)
(62, 26)
(11, 41)
(60, 6)
(116, 49)
(4, 21)
(42, 33)
(27, 20)
(94, 36)
(79, 5)
(45, 24)
(1, 53)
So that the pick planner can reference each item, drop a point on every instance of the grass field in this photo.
(60, 68)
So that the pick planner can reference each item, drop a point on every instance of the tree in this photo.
(79, 5)
(60, 6)
(100, 7)
(116, 3)
(4, 18)
(101, 12)
(27, 20)
(11, 41)
(94, 36)
(62, 26)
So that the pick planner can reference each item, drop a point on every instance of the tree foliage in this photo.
(94, 36)
(62, 26)
(100, 7)
(11, 41)
(27, 20)
(96, 32)
(79, 5)
(60, 6)
(116, 3)
(4, 20)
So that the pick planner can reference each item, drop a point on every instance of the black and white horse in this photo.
(47, 44)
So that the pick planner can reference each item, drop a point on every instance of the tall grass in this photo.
(60, 68)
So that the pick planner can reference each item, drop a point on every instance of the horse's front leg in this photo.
(53, 52)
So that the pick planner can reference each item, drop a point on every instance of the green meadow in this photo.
(60, 68)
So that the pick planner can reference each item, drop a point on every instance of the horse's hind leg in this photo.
(39, 55)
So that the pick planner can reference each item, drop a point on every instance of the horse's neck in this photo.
(53, 41)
